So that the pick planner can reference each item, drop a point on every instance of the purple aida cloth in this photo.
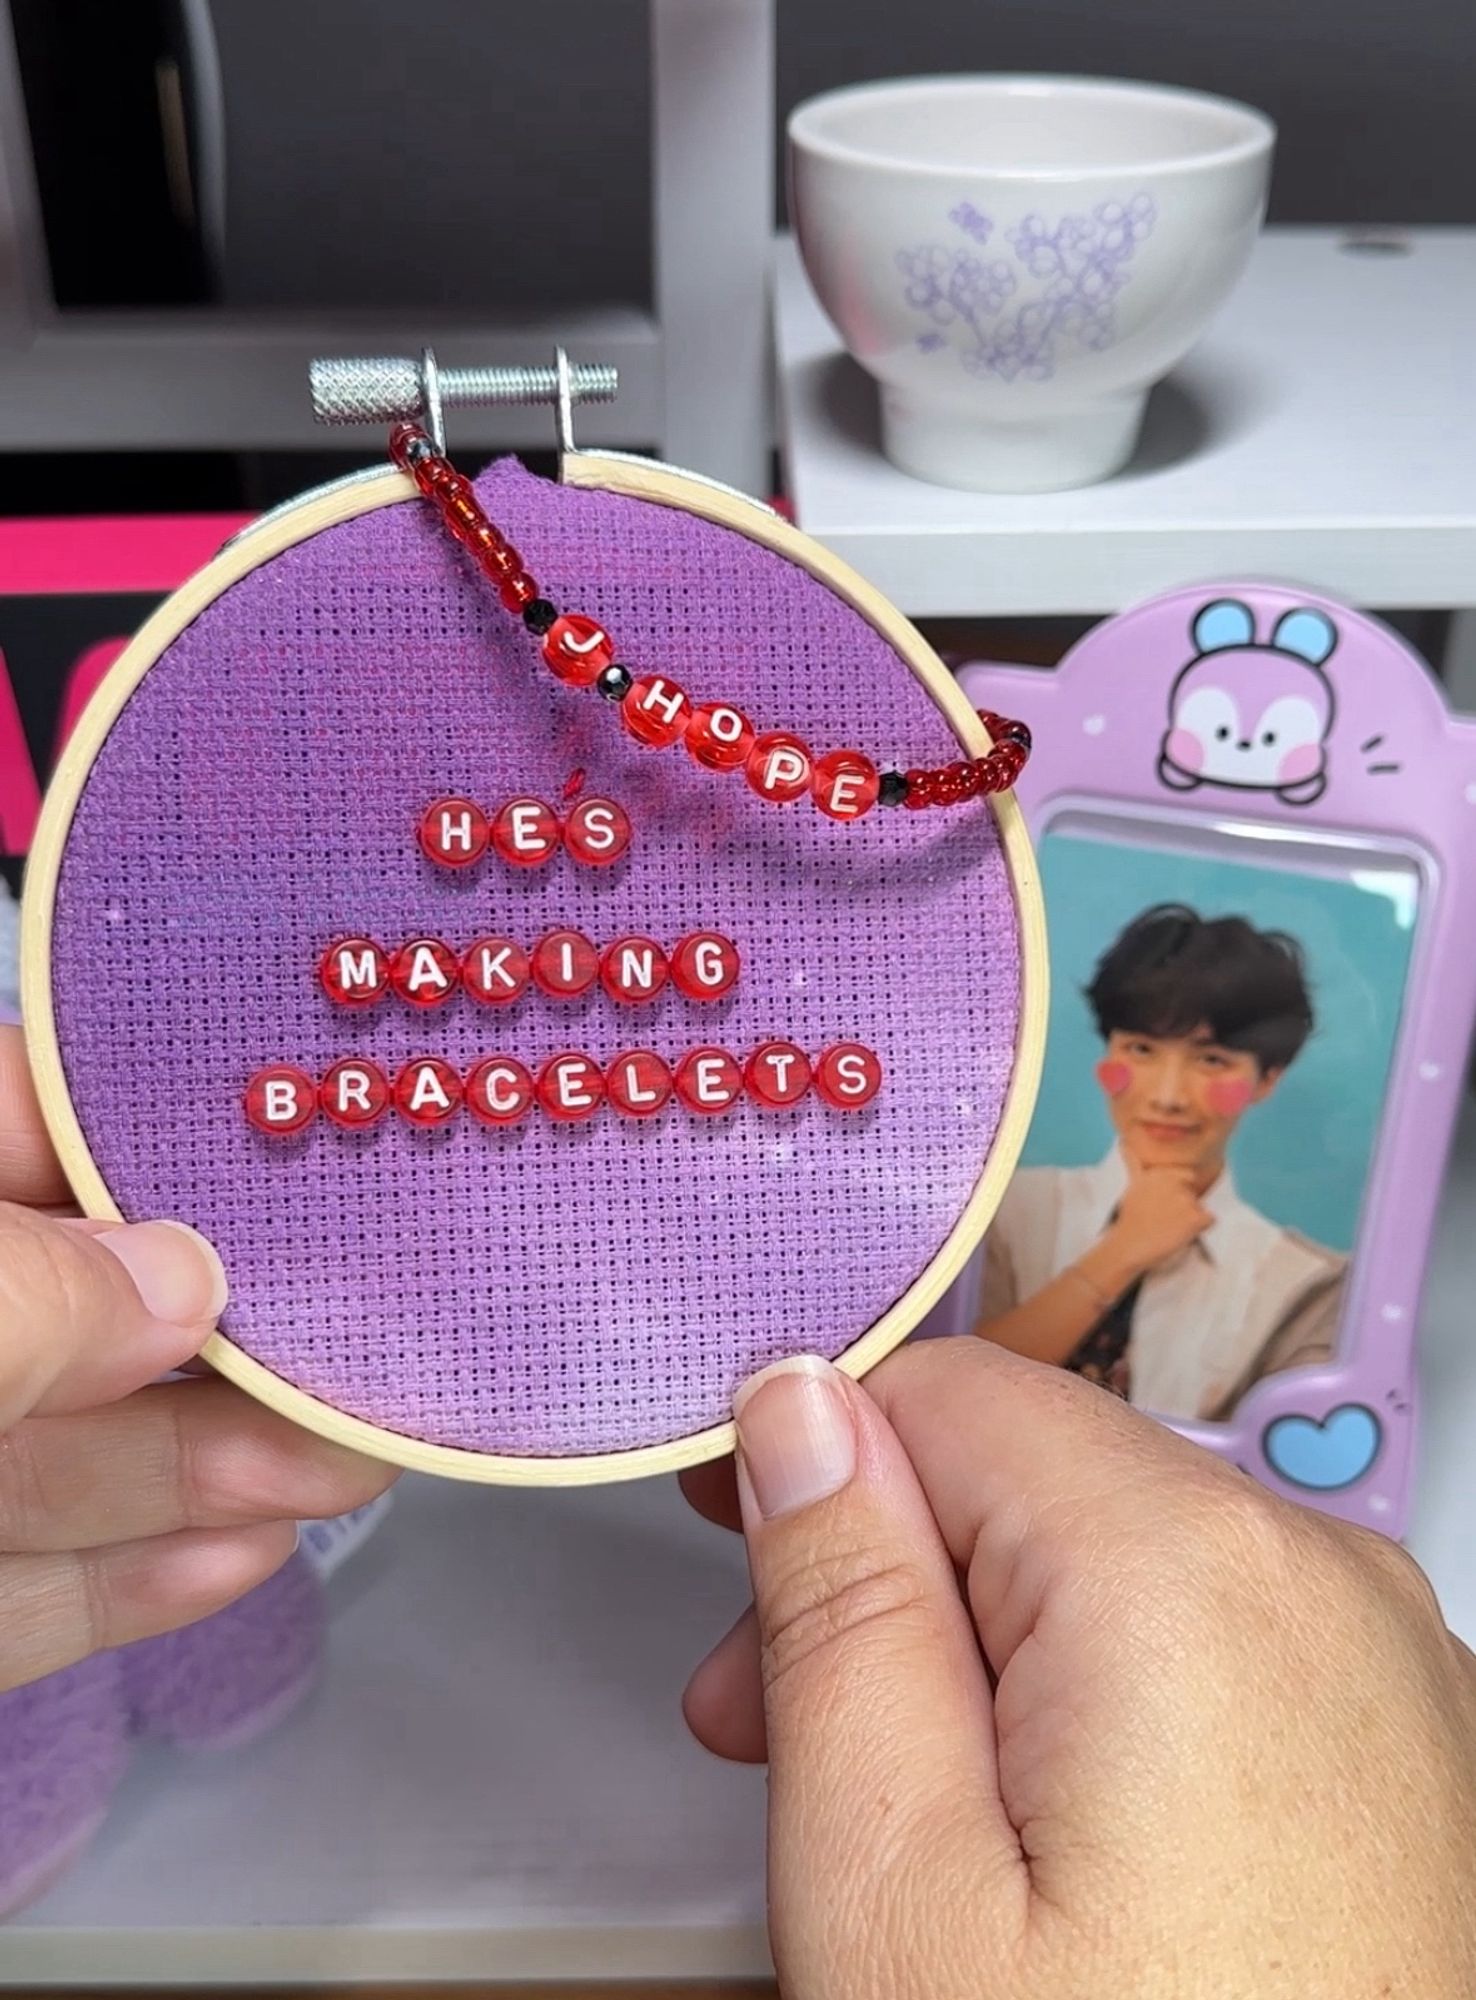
(552, 1289)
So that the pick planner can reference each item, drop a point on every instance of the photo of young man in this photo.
(1148, 1272)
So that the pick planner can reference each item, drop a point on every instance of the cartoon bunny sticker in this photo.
(1252, 717)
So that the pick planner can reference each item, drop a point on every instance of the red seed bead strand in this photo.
(658, 712)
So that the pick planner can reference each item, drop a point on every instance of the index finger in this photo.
(29, 1170)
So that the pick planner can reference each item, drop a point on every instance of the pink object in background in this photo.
(105, 556)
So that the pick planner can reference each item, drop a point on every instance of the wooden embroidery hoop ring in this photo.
(640, 480)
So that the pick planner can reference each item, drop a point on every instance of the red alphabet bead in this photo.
(354, 972)
(718, 736)
(354, 1093)
(704, 965)
(499, 1091)
(425, 972)
(577, 649)
(656, 711)
(709, 1081)
(453, 832)
(495, 970)
(565, 964)
(570, 1087)
(633, 969)
(281, 1100)
(638, 1084)
(778, 766)
(597, 832)
(427, 1092)
(526, 833)
(845, 784)
(777, 1074)
(848, 1076)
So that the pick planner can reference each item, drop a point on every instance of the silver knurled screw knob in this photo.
(388, 389)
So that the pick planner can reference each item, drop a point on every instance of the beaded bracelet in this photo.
(657, 711)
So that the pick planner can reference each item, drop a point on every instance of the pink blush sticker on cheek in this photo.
(1114, 1075)
(1230, 1095)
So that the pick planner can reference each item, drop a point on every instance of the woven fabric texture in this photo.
(550, 1290)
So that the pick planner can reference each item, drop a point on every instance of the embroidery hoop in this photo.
(364, 493)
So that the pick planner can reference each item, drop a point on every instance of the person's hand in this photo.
(1159, 1215)
(126, 1510)
(1058, 1706)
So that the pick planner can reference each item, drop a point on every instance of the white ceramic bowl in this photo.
(1017, 259)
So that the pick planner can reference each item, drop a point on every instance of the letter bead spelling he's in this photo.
(428, 1092)
(499, 1091)
(453, 833)
(570, 1087)
(495, 971)
(577, 649)
(779, 767)
(281, 1100)
(633, 970)
(597, 832)
(638, 1084)
(777, 1075)
(354, 972)
(709, 1081)
(846, 784)
(704, 965)
(425, 972)
(526, 833)
(848, 1075)
(354, 1094)
(565, 964)
(656, 711)
(718, 736)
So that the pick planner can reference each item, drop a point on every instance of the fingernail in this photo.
(796, 1438)
(178, 1275)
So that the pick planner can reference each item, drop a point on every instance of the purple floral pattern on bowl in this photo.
(1059, 285)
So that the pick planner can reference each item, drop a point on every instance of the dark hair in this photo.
(1173, 971)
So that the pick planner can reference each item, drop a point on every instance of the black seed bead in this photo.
(1015, 732)
(614, 683)
(892, 790)
(539, 615)
(419, 450)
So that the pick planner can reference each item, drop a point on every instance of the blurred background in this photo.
(441, 161)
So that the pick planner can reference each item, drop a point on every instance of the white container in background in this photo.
(1017, 259)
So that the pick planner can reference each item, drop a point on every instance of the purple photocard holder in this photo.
(1246, 720)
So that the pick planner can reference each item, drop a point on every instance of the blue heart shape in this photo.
(1326, 1455)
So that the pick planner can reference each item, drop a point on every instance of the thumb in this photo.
(91, 1311)
(877, 1706)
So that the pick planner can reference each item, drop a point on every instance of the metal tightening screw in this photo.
(374, 389)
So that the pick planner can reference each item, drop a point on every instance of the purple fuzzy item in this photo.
(63, 1748)
(64, 1741)
(229, 1678)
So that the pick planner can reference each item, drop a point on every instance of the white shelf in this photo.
(494, 1781)
(1324, 431)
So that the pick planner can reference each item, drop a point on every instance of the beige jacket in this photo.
(1246, 1299)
